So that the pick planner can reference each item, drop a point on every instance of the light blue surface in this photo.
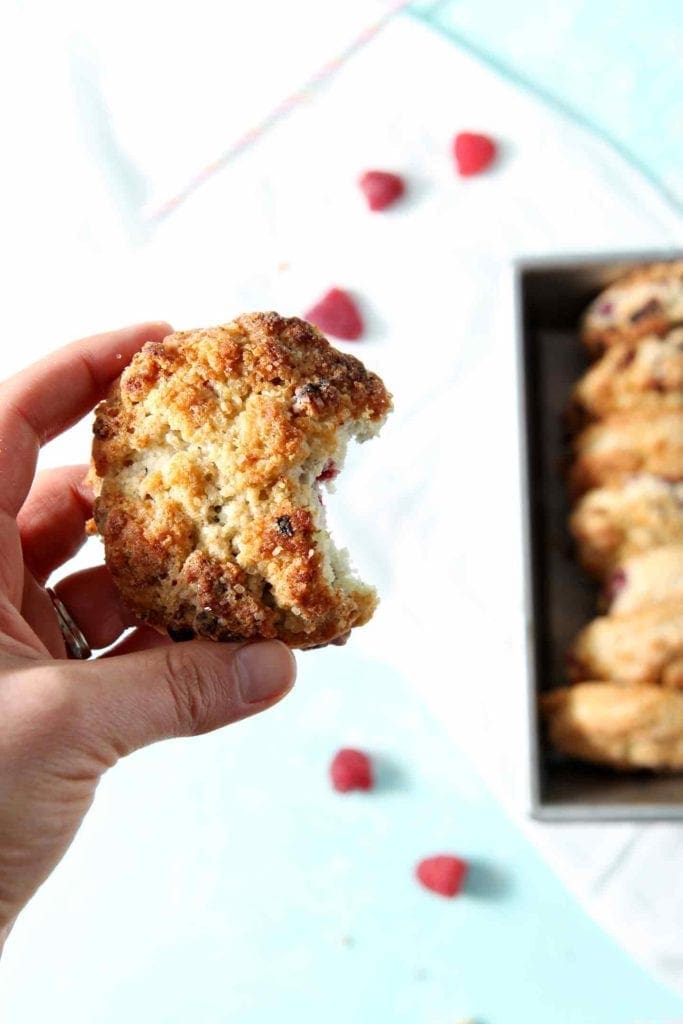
(614, 65)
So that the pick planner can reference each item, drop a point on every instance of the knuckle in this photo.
(42, 711)
(59, 708)
(197, 689)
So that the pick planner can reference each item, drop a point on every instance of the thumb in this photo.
(181, 689)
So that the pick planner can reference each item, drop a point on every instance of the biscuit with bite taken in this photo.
(209, 456)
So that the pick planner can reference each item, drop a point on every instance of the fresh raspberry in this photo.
(473, 153)
(443, 874)
(336, 314)
(351, 769)
(381, 188)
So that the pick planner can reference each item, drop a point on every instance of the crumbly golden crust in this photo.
(208, 456)
(627, 727)
(626, 444)
(644, 375)
(647, 300)
(642, 647)
(610, 524)
(646, 579)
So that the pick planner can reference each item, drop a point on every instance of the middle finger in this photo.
(53, 517)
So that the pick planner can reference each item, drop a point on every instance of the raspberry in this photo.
(336, 314)
(443, 874)
(351, 769)
(330, 471)
(473, 153)
(381, 188)
(626, 359)
(615, 584)
(650, 308)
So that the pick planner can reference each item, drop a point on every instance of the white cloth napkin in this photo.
(431, 511)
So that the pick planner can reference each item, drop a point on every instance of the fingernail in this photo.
(264, 670)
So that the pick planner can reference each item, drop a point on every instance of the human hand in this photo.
(63, 723)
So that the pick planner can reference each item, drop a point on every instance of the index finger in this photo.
(42, 401)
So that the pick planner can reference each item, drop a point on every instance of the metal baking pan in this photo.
(560, 598)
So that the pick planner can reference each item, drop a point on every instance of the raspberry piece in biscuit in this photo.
(209, 455)
(381, 188)
(351, 769)
(329, 472)
(336, 314)
(443, 874)
(473, 153)
(646, 579)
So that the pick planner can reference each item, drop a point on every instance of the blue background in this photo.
(615, 65)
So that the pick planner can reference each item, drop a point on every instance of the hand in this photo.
(63, 723)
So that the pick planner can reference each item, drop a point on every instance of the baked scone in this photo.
(625, 444)
(647, 300)
(610, 524)
(645, 579)
(627, 727)
(643, 647)
(647, 374)
(208, 458)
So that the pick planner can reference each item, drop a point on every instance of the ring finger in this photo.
(94, 603)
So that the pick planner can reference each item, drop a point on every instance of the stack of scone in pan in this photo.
(625, 707)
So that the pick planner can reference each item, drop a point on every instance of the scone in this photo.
(646, 579)
(627, 727)
(208, 460)
(625, 444)
(610, 524)
(647, 300)
(643, 647)
(632, 375)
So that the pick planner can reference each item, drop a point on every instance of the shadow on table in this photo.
(486, 881)
(390, 777)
